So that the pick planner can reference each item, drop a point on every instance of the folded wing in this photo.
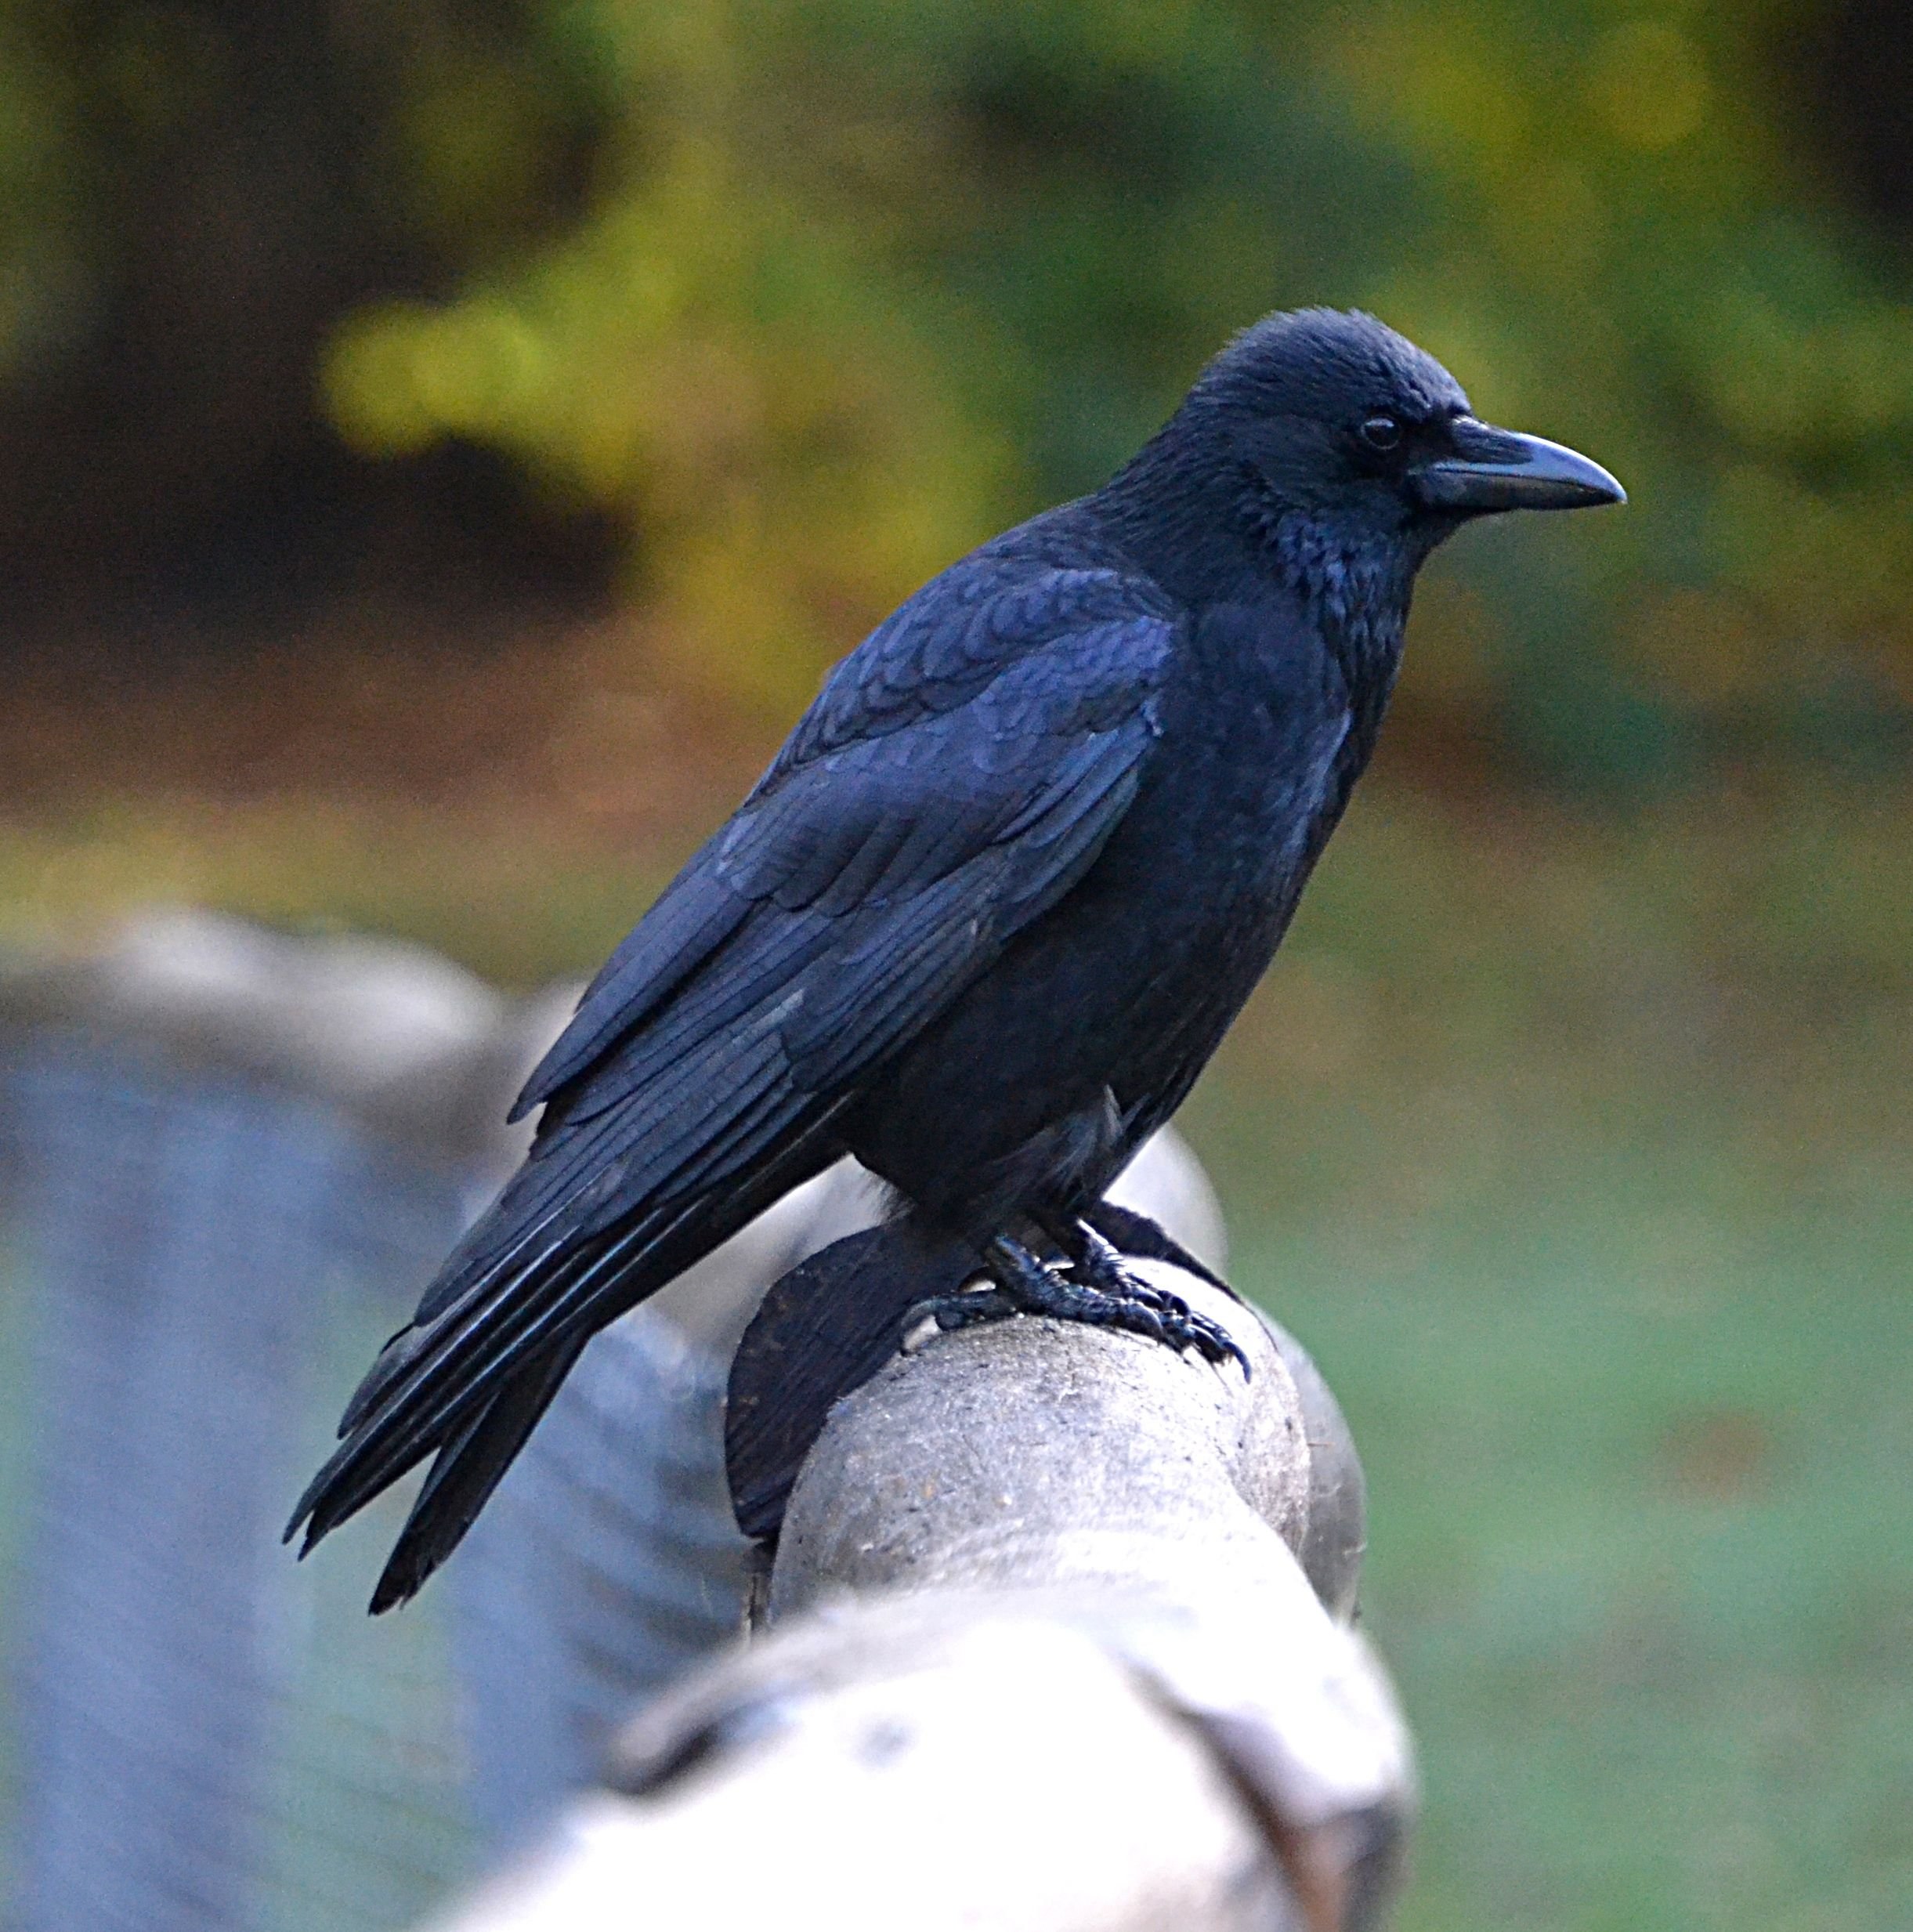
(955, 779)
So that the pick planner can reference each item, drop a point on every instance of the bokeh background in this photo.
(442, 442)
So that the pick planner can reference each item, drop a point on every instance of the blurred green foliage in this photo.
(813, 293)
(1582, 1164)
(854, 284)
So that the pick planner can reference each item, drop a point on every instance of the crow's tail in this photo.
(467, 1383)
(466, 1471)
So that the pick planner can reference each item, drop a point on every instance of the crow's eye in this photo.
(1380, 433)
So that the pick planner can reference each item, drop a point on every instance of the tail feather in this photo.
(470, 1382)
(458, 1366)
(466, 1471)
(825, 1328)
(478, 1338)
(422, 1398)
(404, 1347)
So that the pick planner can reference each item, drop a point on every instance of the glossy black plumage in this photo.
(991, 908)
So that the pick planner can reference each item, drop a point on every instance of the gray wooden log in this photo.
(1043, 1651)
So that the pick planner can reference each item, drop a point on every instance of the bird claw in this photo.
(1099, 1264)
(1100, 1267)
(1099, 1291)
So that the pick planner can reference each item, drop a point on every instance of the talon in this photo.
(1103, 1266)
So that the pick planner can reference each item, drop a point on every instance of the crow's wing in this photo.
(956, 777)
(919, 753)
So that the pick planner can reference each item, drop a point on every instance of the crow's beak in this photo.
(1501, 469)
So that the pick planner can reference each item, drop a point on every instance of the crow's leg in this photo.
(1102, 1293)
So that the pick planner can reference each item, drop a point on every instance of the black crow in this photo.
(992, 906)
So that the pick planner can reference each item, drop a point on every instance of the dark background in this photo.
(441, 441)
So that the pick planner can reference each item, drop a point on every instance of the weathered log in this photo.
(1057, 1637)
(608, 1560)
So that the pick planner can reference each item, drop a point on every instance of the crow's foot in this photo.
(1101, 1268)
(1100, 1290)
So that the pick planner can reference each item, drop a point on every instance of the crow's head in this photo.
(1334, 419)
